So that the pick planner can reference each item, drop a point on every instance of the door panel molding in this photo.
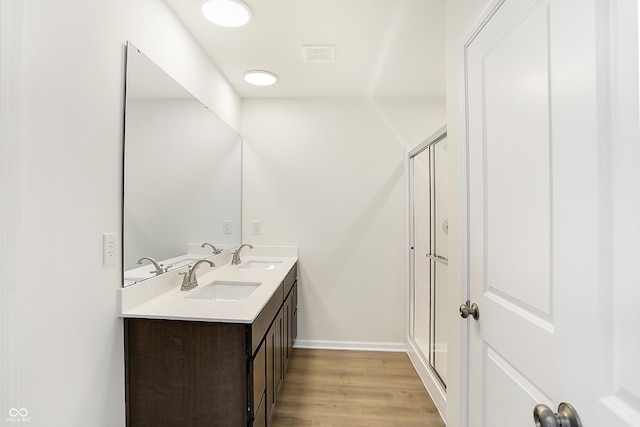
(523, 395)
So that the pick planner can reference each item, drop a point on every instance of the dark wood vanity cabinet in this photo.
(193, 373)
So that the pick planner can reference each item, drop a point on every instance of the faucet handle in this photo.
(185, 277)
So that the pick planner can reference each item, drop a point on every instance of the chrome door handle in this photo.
(566, 416)
(467, 310)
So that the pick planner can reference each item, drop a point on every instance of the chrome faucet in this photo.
(215, 250)
(236, 254)
(159, 268)
(190, 281)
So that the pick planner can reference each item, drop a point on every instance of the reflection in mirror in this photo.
(182, 175)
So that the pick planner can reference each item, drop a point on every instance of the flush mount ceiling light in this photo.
(226, 13)
(260, 77)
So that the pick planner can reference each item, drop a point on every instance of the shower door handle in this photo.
(438, 258)
(467, 310)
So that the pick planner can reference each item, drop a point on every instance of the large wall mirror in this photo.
(182, 174)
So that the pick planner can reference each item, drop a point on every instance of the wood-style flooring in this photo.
(330, 388)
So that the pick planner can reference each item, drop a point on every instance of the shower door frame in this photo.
(421, 362)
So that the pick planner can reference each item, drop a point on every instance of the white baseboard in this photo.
(351, 345)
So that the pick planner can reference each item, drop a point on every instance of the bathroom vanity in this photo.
(211, 361)
(212, 354)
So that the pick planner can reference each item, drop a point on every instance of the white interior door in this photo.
(546, 259)
(510, 216)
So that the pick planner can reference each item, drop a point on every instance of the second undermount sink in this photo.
(223, 290)
(261, 265)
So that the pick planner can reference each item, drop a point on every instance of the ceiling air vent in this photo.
(319, 53)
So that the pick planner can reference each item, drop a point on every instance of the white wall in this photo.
(460, 16)
(329, 176)
(61, 80)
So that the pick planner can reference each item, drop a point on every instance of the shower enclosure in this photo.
(428, 220)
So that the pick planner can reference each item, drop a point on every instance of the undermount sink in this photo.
(261, 265)
(221, 290)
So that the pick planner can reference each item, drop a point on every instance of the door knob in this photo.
(565, 417)
(466, 310)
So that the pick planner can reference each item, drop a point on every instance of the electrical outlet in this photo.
(255, 227)
(226, 226)
(109, 248)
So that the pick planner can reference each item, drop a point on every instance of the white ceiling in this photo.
(384, 48)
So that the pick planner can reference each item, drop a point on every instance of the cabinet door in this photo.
(291, 322)
(294, 316)
(278, 324)
(270, 398)
(286, 339)
(260, 419)
(258, 377)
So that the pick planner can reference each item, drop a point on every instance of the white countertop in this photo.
(173, 304)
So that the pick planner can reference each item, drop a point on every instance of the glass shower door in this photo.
(429, 274)
(439, 259)
(421, 328)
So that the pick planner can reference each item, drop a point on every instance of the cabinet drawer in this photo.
(290, 279)
(259, 327)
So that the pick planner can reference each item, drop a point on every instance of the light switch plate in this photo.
(226, 226)
(109, 248)
(255, 227)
